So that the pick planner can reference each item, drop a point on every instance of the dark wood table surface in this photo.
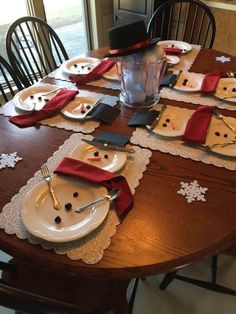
(162, 232)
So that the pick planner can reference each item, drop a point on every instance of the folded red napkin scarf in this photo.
(52, 107)
(172, 51)
(210, 82)
(77, 168)
(96, 73)
(197, 126)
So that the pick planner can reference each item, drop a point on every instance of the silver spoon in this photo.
(113, 194)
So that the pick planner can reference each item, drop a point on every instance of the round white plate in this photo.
(226, 88)
(115, 161)
(176, 44)
(38, 214)
(189, 82)
(219, 133)
(173, 122)
(79, 65)
(172, 60)
(32, 98)
(112, 74)
(79, 107)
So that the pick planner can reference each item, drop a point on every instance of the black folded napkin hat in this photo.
(143, 118)
(112, 138)
(129, 38)
(104, 113)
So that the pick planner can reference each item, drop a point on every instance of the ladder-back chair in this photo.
(34, 49)
(183, 20)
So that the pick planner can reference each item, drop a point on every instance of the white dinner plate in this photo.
(219, 133)
(172, 60)
(38, 214)
(111, 160)
(79, 65)
(78, 108)
(226, 88)
(31, 98)
(189, 82)
(112, 74)
(176, 44)
(173, 122)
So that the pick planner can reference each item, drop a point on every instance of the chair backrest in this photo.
(184, 20)
(9, 82)
(34, 49)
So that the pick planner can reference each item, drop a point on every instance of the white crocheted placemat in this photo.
(90, 248)
(177, 147)
(196, 98)
(61, 122)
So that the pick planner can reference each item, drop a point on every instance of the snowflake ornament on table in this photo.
(9, 160)
(192, 191)
(223, 59)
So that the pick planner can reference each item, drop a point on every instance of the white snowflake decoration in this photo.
(192, 191)
(9, 160)
(223, 59)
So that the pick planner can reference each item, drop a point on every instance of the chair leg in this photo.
(214, 268)
(133, 295)
(167, 280)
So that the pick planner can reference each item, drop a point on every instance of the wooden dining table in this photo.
(162, 233)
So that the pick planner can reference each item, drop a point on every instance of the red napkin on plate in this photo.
(210, 82)
(51, 108)
(197, 126)
(95, 74)
(77, 168)
(172, 51)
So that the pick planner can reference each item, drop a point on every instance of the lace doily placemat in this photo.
(58, 74)
(90, 248)
(196, 98)
(187, 59)
(61, 122)
(179, 148)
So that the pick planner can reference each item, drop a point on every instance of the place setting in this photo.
(78, 199)
(180, 55)
(87, 70)
(203, 134)
(53, 105)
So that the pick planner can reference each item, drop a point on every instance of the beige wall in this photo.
(224, 12)
(225, 39)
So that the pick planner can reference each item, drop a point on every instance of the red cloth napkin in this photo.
(172, 51)
(197, 126)
(210, 82)
(95, 74)
(77, 168)
(51, 108)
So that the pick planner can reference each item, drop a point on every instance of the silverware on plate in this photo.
(53, 91)
(176, 79)
(93, 107)
(108, 146)
(155, 122)
(210, 146)
(47, 177)
(113, 194)
(219, 116)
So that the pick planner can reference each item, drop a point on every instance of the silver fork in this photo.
(219, 116)
(47, 177)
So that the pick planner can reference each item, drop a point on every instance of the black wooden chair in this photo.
(9, 82)
(34, 49)
(184, 20)
(29, 289)
(209, 285)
